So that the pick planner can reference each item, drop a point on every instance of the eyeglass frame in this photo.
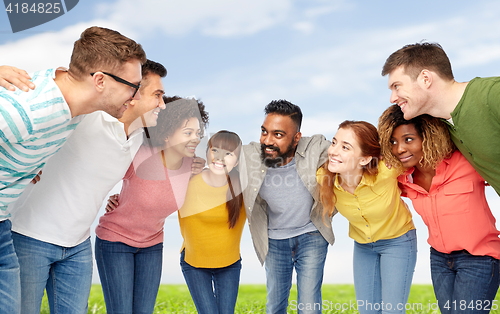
(120, 80)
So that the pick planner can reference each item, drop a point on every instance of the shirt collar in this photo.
(365, 180)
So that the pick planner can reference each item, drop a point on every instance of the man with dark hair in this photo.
(51, 220)
(37, 123)
(282, 203)
(421, 81)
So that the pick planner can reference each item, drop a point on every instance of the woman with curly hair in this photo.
(366, 192)
(129, 237)
(450, 196)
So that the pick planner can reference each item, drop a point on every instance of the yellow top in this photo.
(375, 211)
(203, 219)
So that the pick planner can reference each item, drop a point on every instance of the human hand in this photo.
(36, 178)
(197, 166)
(112, 203)
(11, 76)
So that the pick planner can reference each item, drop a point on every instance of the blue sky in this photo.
(237, 56)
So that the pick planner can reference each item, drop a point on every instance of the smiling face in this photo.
(151, 101)
(278, 139)
(119, 95)
(185, 139)
(407, 145)
(345, 155)
(408, 94)
(221, 161)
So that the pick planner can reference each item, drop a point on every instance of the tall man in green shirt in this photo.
(421, 82)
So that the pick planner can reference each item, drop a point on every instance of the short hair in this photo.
(285, 108)
(416, 57)
(102, 49)
(177, 111)
(151, 67)
(436, 142)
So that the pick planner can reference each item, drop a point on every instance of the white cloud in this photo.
(46, 50)
(325, 123)
(325, 7)
(218, 18)
(304, 27)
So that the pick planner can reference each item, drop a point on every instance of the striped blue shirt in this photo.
(33, 126)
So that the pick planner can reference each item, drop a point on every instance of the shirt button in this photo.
(359, 209)
(470, 153)
(262, 171)
(461, 141)
(368, 237)
(367, 225)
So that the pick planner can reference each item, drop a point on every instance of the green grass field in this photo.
(252, 299)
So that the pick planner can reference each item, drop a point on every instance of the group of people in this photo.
(69, 135)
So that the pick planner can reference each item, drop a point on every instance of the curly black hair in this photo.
(177, 111)
(436, 141)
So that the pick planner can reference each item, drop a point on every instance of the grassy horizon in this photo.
(337, 298)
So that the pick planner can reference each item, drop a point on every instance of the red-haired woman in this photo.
(366, 192)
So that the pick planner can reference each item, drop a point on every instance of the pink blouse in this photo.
(149, 194)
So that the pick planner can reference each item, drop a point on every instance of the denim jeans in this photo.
(383, 271)
(66, 274)
(130, 276)
(214, 290)
(306, 253)
(464, 283)
(10, 285)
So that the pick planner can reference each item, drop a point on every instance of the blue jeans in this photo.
(306, 253)
(10, 284)
(214, 290)
(66, 274)
(464, 283)
(383, 271)
(130, 276)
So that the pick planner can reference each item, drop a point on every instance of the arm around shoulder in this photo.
(11, 77)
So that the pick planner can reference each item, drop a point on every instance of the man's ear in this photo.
(425, 78)
(297, 137)
(98, 80)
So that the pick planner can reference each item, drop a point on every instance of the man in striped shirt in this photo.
(104, 74)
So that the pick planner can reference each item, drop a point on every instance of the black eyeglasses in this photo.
(120, 80)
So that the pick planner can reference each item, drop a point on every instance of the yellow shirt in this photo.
(375, 211)
(203, 219)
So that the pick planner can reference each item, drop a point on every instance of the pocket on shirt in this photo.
(457, 197)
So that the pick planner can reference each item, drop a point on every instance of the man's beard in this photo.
(280, 159)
